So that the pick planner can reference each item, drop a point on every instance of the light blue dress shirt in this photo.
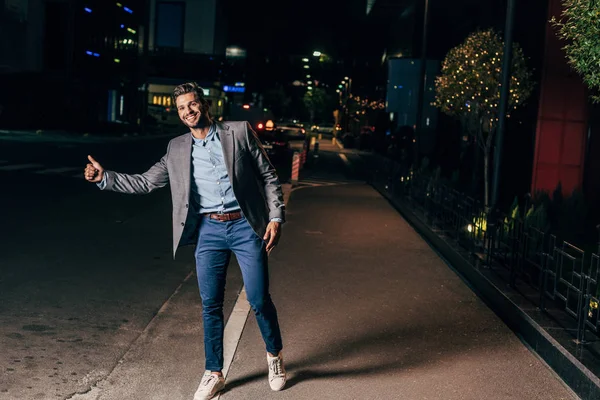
(210, 187)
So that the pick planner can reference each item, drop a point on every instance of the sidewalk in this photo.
(368, 311)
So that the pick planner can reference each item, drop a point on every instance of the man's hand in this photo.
(272, 235)
(93, 171)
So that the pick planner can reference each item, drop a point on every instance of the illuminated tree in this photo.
(318, 103)
(580, 27)
(278, 101)
(469, 88)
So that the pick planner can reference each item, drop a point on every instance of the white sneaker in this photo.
(277, 375)
(210, 385)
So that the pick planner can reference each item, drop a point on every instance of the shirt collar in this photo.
(209, 136)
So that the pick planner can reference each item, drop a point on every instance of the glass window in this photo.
(169, 25)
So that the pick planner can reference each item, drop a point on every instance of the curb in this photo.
(576, 375)
(338, 143)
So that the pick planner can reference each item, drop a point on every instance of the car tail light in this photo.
(260, 126)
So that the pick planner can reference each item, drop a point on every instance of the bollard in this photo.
(320, 136)
(295, 168)
(304, 154)
(313, 140)
(333, 141)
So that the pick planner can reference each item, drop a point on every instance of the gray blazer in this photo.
(253, 180)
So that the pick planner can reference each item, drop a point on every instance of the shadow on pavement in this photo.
(366, 355)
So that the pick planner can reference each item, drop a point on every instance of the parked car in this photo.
(293, 133)
(293, 128)
(276, 143)
(163, 114)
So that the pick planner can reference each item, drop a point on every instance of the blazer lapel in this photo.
(227, 144)
(185, 152)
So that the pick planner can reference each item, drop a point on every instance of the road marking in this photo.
(58, 170)
(19, 167)
(316, 181)
(234, 328)
(345, 159)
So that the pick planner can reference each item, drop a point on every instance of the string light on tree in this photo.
(473, 93)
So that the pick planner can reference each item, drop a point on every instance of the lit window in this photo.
(155, 100)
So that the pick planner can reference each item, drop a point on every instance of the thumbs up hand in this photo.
(93, 171)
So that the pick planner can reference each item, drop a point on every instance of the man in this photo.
(226, 197)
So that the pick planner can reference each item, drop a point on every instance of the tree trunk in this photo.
(476, 162)
(486, 167)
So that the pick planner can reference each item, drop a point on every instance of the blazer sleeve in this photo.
(156, 177)
(267, 175)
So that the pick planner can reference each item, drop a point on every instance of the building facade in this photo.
(98, 58)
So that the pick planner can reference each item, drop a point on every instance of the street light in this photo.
(317, 53)
(348, 87)
(305, 59)
(306, 67)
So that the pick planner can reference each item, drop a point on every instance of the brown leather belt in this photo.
(231, 216)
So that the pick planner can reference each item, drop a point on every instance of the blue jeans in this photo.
(216, 241)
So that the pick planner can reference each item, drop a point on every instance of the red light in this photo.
(246, 106)
(260, 126)
(167, 109)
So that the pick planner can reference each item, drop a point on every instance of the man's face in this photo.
(189, 109)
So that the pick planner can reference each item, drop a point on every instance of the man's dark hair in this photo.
(191, 87)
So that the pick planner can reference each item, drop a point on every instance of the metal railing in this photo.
(555, 275)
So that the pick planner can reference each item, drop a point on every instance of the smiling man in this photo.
(226, 198)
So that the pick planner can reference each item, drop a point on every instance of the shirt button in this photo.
(218, 183)
(214, 166)
(187, 206)
(183, 224)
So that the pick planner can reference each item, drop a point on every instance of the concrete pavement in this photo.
(368, 310)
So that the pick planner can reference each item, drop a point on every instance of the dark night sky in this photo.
(285, 27)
